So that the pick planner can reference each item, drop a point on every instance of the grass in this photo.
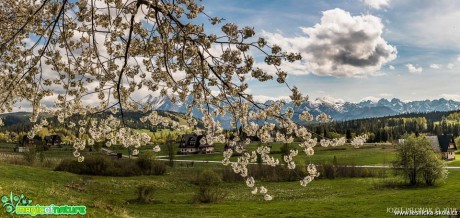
(369, 154)
(109, 196)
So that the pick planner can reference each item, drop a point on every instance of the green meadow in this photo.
(110, 196)
(174, 191)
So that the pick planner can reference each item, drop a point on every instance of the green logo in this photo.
(20, 205)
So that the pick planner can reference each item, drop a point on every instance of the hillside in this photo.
(19, 121)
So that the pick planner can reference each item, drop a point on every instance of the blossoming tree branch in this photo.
(93, 56)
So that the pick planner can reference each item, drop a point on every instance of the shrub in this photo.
(332, 171)
(30, 156)
(150, 166)
(266, 173)
(209, 190)
(106, 166)
(417, 161)
(145, 193)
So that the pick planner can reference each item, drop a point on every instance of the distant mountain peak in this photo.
(336, 108)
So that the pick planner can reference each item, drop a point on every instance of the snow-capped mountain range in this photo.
(337, 109)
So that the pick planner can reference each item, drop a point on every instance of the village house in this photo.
(235, 145)
(190, 144)
(444, 144)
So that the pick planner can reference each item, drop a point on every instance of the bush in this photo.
(145, 193)
(209, 190)
(266, 173)
(30, 156)
(150, 166)
(106, 166)
(417, 161)
(331, 171)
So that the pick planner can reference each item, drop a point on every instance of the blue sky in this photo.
(407, 49)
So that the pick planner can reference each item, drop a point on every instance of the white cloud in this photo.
(391, 67)
(435, 66)
(458, 58)
(377, 4)
(454, 97)
(341, 45)
(413, 69)
(450, 66)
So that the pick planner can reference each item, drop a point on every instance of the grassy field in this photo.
(370, 154)
(109, 196)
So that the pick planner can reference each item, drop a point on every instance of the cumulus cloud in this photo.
(391, 67)
(341, 45)
(377, 4)
(413, 69)
(435, 66)
(450, 66)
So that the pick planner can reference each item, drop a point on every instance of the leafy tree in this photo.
(416, 160)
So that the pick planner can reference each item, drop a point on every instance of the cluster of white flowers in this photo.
(306, 116)
(239, 148)
(288, 159)
(156, 148)
(37, 127)
(251, 129)
(312, 171)
(1, 122)
(250, 182)
(303, 133)
(325, 142)
(339, 141)
(308, 145)
(264, 152)
(333, 142)
(359, 141)
(227, 154)
(241, 166)
(323, 118)
(156, 119)
(262, 190)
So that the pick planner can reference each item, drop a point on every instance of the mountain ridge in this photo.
(339, 110)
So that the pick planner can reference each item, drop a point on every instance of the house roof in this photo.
(442, 143)
(445, 142)
(434, 143)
